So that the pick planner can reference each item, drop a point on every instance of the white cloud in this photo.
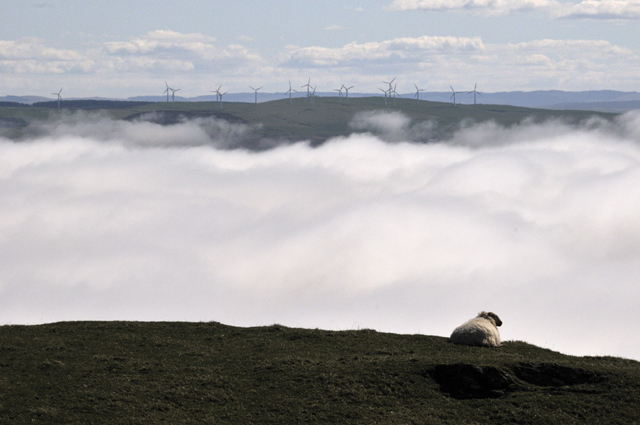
(405, 49)
(536, 222)
(561, 64)
(600, 9)
(490, 7)
(245, 39)
(173, 45)
(192, 61)
(587, 9)
(165, 54)
(31, 55)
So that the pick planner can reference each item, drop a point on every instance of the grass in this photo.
(194, 373)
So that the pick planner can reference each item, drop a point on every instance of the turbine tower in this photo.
(475, 92)
(339, 93)
(219, 95)
(385, 96)
(290, 91)
(346, 89)
(453, 96)
(167, 90)
(417, 96)
(217, 92)
(59, 97)
(256, 93)
(308, 86)
(173, 94)
(395, 93)
(313, 97)
(389, 91)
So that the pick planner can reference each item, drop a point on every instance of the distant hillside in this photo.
(555, 99)
(24, 99)
(597, 100)
(614, 106)
(209, 373)
(13, 105)
(90, 104)
(272, 123)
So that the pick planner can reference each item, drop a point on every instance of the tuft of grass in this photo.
(193, 373)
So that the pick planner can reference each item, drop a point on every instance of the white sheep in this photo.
(481, 330)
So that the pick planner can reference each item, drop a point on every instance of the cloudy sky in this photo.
(121, 48)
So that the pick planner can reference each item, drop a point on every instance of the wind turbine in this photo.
(474, 91)
(308, 86)
(453, 96)
(389, 84)
(389, 91)
(395, 93)
(219, 95)
(339, 93)
(217, 92)
(417, 96)
(173, 94)
(256, 93)
(290, 91)
(59, 97)
(385, 97)
(313, 97)
(346, 89)
(167, 90)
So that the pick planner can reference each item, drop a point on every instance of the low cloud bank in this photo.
(153, 129)
(537, 223)
(394, 126)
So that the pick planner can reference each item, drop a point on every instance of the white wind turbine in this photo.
(389, 91)
(346, 89)
(395, 93)
(313, 97)
(290, 91)
(219, 95)
(167, 90)
(59, 97)
(389, 83)
(256, 93)
(417, 96)
(475, 92)
(217, 92)
(308, 86)
(385, 96)
(453, 96)
(339, 93)
(173, 94)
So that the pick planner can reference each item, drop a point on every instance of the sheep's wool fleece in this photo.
(477, 331)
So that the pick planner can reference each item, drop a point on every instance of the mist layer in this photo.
(538, 223)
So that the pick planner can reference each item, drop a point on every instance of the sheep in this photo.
(481, 330)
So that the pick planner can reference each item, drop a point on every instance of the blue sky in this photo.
(124, 48)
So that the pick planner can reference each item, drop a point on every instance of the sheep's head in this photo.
(492, 317)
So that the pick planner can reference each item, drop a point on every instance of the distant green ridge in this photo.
(326, 118)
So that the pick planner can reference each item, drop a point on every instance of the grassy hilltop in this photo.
(300, 120)
(195, 373)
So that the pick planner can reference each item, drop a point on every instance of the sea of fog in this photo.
(540, 223)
